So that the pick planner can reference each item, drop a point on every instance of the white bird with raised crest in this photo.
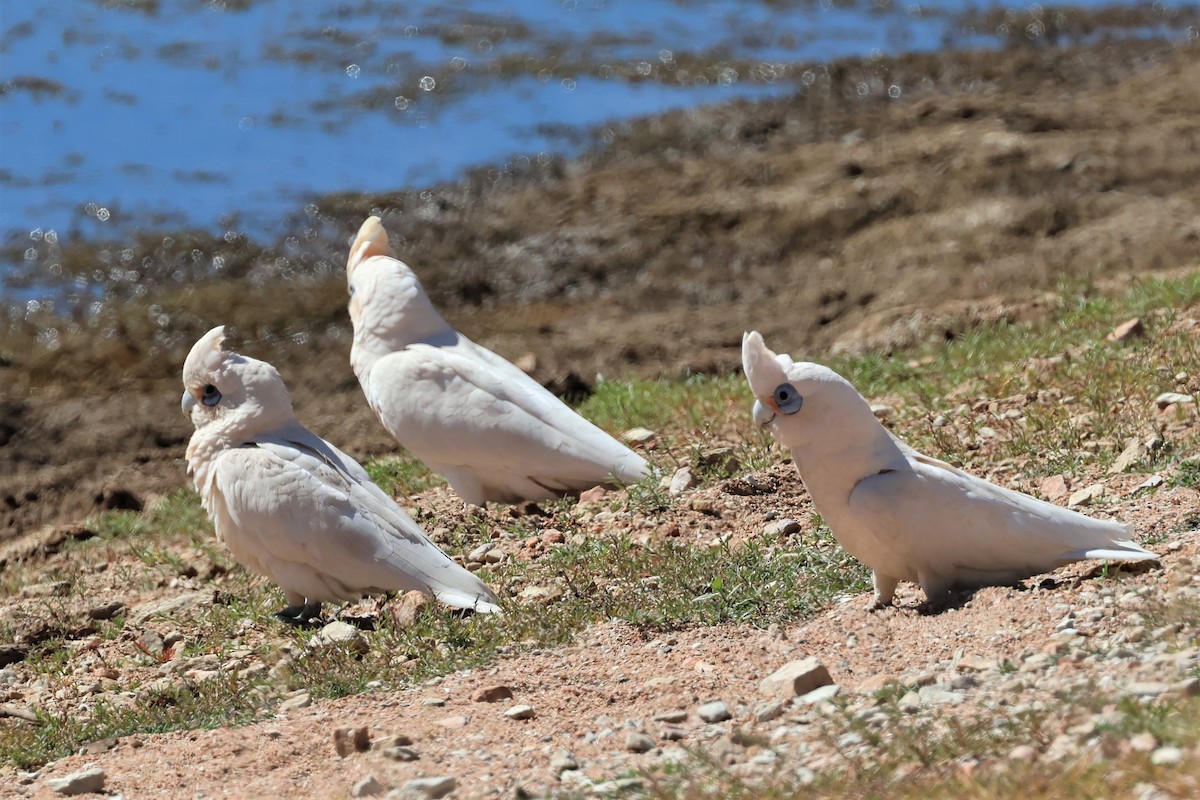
(291, 506)
(905, 515)
(490, 430)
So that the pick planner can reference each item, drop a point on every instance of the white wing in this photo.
(961, 528)
(309, 516)
(463, 409)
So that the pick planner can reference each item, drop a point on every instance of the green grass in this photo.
(662, 584)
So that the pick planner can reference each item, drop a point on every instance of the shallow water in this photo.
(119, 116)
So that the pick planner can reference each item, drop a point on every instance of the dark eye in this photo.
(352, 290)
(788, 399)
(211, 395)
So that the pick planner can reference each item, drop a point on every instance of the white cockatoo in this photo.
(905, 515)
(493, 432)
(291, 506)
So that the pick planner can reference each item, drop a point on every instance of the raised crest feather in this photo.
(206, 354)
(763, 370)
(372, 240)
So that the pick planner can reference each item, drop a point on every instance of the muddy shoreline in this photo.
(826, 220)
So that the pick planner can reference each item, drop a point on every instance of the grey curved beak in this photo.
(187, 403)
(762, 415)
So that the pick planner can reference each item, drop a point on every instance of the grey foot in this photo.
(301, 616)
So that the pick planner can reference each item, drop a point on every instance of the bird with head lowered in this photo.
(905, 515)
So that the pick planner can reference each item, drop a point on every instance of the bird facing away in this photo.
(905, 515)
(291, 506)
(493, 432)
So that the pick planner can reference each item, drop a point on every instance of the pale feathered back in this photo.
(470, 415)
(292, 506)
(906, 515)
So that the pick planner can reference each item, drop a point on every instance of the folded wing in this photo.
(465, 406)
(308, 514)
(948, 523)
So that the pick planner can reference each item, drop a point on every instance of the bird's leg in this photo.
(937, 592)
(300, 615)
(885, 590)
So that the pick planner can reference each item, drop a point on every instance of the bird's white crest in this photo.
(206, 354)
(762, 367)
(371, 241)
(492, 431)
(906, 515)
(293, 507)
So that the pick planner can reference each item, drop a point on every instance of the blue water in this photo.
(116, 116)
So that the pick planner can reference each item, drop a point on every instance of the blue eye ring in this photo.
(210, 395)
(787, 399)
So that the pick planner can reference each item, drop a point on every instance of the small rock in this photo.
(99, 746)
(1134, 452)
(781, 527)
(544, 595)
(171, 606)
(671, 716)
(429, 787)
(86, 782)
(1056, 487)
(1086, 495)
(563, 762)
(1146, 689)
(107, 611)
(340, 634)
(407, 610)
(822, 694)
(298, 701)
(492, 694)
(672, 733)
(433, 701)
(151, 644)
(882, 410)
(400, 753)
(795, 678)
(973, 663)
(351, 740)
(721, 459)
(765, 712)
(1168, 399)
(456, 721)
(713, 712)
(1167, 756)
(638, 435)
(1143, 742)
(593, 495)
(366, 787)
(935, 695)
(1150, 483)
(1130, 329)
(480, 552)
(638, 742)
(681, 481)
(520, 712)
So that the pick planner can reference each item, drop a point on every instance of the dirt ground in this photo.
(827, 221)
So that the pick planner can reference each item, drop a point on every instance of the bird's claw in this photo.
(302, 616)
